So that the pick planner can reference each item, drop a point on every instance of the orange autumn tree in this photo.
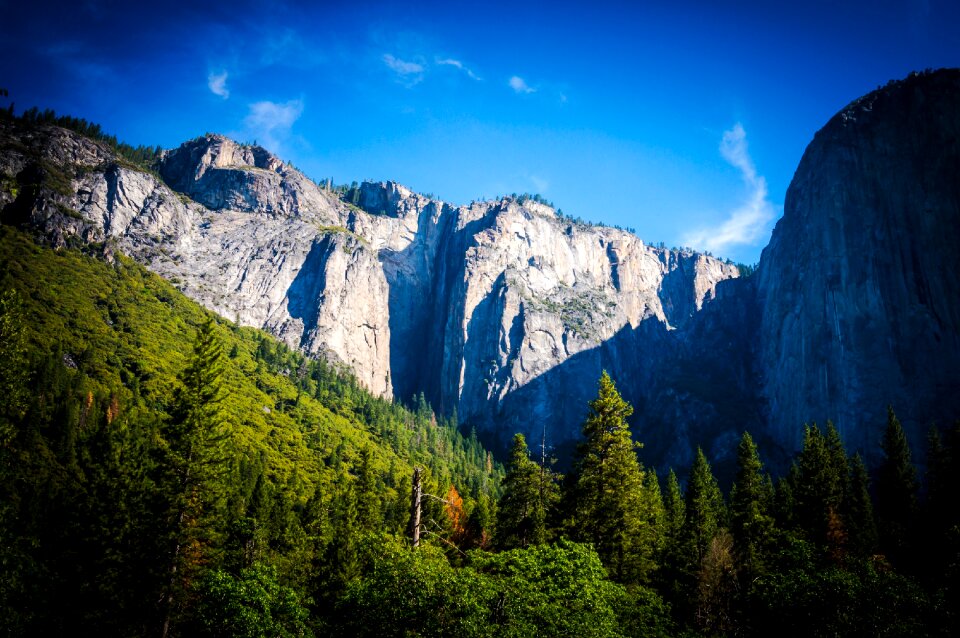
(453, 508)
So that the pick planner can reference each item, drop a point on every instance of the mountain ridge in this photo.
(492, 294)
(504, 312)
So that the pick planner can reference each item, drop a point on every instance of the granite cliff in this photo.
(859, 288)
(506, 313)
(477, 306)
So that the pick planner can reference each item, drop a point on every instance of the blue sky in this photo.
(682, 120)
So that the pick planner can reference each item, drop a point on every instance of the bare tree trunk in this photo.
(416, 496)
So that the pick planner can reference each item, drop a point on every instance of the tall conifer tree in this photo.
(673, 505)
(518, 518)
(673, 557)
(705, 513)
(195, 458)
(751, 517)
(609, 506)
(861, 525)
(707, 548)
(818, 486)
(896, 492)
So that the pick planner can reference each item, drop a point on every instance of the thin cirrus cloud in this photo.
(747, 223)
(407, 72)
(457, 64)
(271, 123)
(217, 83)
(519, 85)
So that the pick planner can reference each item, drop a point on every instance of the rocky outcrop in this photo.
(223, 175)
(268, 249)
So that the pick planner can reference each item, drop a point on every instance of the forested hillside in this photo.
(166, 473)
(134, 422)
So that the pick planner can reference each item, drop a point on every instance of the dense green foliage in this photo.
(249, 605)
(751, 510)
(147, 443)
(896, 492)
(746, 270)
(547, 590)
(165, 471)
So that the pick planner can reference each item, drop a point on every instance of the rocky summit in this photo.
(506, 312)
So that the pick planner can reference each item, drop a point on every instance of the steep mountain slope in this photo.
(119, 330)
(468, 304)
(859, 286)
(104, 479)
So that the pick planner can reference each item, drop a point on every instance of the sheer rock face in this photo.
(859, 285)
(467, 304)
(507, 313)
(538, 306)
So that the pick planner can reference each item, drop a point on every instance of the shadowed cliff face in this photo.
(859, 285)
(507, 314)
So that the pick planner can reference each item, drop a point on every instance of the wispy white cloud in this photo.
(540, 184)
(733, 148)
(408, 72)
(458, 65)
(748, 222)
(270, 123)
(217, 82)
(519, 85)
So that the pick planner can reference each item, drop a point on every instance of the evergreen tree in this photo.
(751, 517)
(818, 487)
(673, 506)
(861, 525)
(369, 513)
(608, 502)
(521, 519)
(708, 550)
(656, 515)
(671, 577)
(785, 501)
(896, 492)
(704, 509)
(195, 461)
(480, 523)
